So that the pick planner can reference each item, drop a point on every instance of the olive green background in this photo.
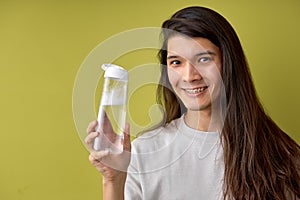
(42, 46)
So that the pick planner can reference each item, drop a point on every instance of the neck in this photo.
(203, 121)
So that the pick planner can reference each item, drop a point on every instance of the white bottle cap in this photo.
(114, 71)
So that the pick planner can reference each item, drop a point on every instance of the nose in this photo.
(190, 73)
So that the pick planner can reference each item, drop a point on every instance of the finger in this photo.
(93, 160)
(96, 162)
(99, 166)
(89, 140)
(98, 155)
(127, 142)
(92, 126)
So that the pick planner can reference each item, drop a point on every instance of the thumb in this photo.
(127, 142)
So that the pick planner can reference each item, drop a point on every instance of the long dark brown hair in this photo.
(261, 161)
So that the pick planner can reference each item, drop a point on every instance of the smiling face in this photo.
(194, 67)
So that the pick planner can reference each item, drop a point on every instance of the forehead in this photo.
(187, 46)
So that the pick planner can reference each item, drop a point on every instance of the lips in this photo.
(197, 90)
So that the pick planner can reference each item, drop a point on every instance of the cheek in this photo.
(216, 81)
(174, 76)
(214, 73)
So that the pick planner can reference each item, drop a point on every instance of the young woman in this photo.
(216, 141)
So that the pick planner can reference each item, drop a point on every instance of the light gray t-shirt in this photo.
(175, 162)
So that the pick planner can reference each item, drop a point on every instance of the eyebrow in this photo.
(198, 54)
(205, 53)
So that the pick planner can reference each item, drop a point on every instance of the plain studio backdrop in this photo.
(44, 43)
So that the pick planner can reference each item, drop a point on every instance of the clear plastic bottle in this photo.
(112, 110)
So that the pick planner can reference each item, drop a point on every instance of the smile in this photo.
(196, 90)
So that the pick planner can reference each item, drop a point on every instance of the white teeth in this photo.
(194, 91)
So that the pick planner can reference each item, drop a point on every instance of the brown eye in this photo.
(175, 62)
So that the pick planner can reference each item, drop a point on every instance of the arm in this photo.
(113, 167)
(114, 189)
